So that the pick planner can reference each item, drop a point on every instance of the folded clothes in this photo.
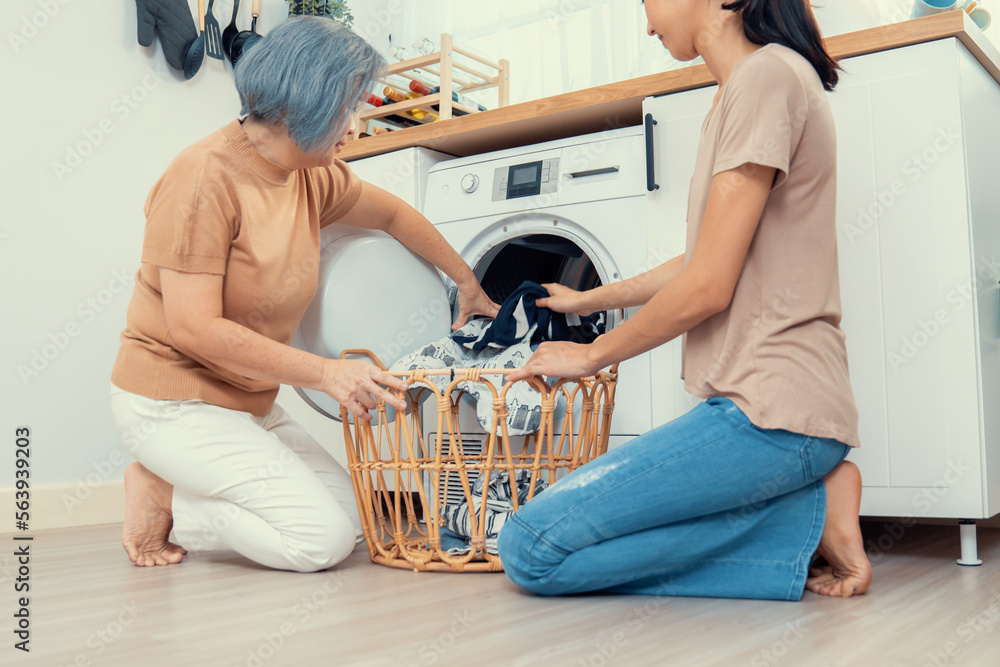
(519, 315)
(457, 529)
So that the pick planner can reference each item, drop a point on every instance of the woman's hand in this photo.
(558, 359)
(472, 300)
(355, 385)
(564, 299)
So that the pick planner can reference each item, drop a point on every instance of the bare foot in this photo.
(849, 572)
(148, 519)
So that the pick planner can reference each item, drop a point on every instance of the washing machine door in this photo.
(373, 294)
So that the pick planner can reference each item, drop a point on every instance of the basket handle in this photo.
(363, 353)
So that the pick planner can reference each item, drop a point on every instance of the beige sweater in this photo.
(223, 208)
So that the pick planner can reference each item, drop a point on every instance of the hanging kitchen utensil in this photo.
(246, 38)
(196, 52)
(231, 31)
(171, 20)
(213, 35)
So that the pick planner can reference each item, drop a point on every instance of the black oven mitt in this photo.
(172, 20)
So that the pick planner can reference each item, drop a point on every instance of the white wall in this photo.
(90, 119)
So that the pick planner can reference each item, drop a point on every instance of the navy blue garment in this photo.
(519, 314)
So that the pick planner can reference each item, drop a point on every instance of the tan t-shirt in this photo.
(223, 208)
(777, 351)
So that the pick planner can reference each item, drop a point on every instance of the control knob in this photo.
(470, 182)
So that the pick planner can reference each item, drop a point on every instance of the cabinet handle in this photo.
(650, 169)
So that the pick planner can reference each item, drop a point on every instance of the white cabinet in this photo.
(918, 215)
(919, 235)
(673, 144)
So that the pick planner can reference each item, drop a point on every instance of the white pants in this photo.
(260, 486)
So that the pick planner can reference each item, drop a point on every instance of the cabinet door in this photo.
(904, 260)
(860, 272)
(679, 118)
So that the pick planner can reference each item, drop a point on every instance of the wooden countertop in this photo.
(620, 104)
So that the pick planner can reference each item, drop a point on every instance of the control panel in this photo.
(526, 179)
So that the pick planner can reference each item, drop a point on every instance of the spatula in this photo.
(231, 30)
(213, 35)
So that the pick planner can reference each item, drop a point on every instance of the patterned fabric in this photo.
(457, 528)
(524, 404)
(507, 341)
(519, 316)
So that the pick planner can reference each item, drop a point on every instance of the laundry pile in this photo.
(505, 342)
(457, 529)
(519, 314)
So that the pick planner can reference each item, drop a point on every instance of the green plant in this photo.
(331, 9)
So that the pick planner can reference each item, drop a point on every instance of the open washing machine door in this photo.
(373, 294)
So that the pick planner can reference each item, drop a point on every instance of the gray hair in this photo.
(310, 73)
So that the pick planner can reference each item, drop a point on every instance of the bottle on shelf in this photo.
(423, 89)
(396, 119)
(420, 114)
(393, 95)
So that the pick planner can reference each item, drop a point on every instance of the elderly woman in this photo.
(230, 262)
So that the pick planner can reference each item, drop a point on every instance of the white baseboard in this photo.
(70, 505)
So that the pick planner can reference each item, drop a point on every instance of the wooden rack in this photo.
(422, 68)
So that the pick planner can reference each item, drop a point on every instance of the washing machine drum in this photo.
(376, 295)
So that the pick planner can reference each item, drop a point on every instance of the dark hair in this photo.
(790, 23)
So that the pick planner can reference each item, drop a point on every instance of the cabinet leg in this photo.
(967, 533)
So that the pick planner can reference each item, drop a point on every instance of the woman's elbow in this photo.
(718, 300)
(190, 339)
(710, 298)
(182, 340)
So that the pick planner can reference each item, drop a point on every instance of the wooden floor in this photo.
(90, 606)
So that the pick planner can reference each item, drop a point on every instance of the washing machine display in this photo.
(525, 180)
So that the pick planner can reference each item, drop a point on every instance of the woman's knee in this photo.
(520, 551)
(327, 544)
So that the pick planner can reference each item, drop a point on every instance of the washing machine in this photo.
(571, 211)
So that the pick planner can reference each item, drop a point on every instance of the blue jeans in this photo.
(708, 505)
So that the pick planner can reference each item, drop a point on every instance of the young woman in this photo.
(734, 498)
(230, 262)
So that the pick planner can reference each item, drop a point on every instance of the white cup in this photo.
(979, 15)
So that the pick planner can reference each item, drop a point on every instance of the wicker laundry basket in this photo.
(403, 478)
